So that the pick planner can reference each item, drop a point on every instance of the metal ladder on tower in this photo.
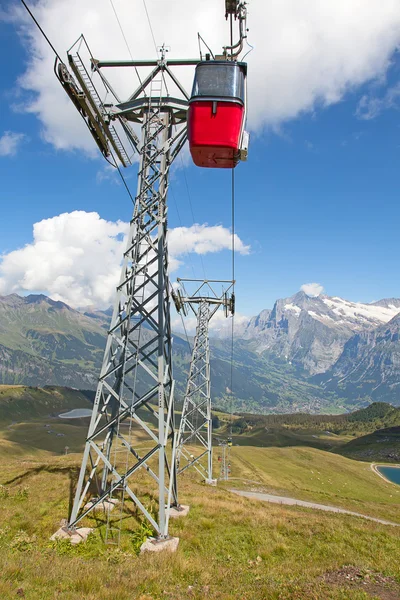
(93, 97)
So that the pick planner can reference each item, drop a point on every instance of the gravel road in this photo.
(312, 505)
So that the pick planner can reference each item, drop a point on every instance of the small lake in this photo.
(391, 473)
(76, 413)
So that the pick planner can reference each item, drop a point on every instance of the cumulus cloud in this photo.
(75, 257)
(201, 239)
(307, 53)
(220, 326)
(10, 142)
(312, 289)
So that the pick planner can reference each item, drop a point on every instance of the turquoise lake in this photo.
(391, 473)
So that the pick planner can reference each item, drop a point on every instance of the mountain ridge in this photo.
(290, 358)
(311, 331)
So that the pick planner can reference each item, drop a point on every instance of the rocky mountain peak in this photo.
(391, 303)
(311, 330)
(42, 299)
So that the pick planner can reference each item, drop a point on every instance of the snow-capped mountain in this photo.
(369, 364)
(311, 331)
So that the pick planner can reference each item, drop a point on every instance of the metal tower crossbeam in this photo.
(196, 422)
(136, 376)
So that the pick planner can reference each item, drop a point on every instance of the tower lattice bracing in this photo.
(196, 423)
(130, 446)
(194, 447)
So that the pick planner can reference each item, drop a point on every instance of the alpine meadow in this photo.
(199, 301)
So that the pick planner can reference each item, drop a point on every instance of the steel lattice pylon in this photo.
(136, 376)
(196, 422)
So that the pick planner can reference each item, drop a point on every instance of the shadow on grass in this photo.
(71, 471)
(129, 510)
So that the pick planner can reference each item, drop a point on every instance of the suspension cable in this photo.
(233, 292)
(151, 28)
(123, 178)
(41, 30)
(125, 40)
(115, 164)
(186, 334)
(191, 210)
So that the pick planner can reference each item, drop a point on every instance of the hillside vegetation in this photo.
(48, 342)
(24, 403)
(375, 416)
(369, 434)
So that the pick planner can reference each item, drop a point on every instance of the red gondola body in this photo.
(217, 114)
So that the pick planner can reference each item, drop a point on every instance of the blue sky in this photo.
(317, 201)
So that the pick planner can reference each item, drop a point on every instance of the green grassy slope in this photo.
(375, 416)
(230, 547)
(383, 444)
(24, 403)
(320, 476)
(369, 434)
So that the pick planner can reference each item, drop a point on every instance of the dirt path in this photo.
(312, 505)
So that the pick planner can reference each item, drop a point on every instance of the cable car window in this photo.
(219, 80)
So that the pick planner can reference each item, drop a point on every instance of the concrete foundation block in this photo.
(156, 545)
(178, 511)
(74, 536)
(105, 506)
(211, 481)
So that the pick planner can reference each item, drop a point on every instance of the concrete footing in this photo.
(156, 545)
(74, 536)
(178, 511)
(106, 505)
(211, 482)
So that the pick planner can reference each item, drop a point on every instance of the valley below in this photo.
(308, 354)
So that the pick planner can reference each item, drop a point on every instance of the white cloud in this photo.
(201, 239)
(308, 53)
(107, 173)
(312, 289)
(10, 142)
(220, 325)
(75, 257)
(370, 106)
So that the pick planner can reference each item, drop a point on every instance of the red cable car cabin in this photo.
(217, 112)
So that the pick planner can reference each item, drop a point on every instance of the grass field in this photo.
(21, 403)
(230, 547)
(315, 475)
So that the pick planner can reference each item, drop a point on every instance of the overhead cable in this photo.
(41, 30)
(125, 40)
(191, 210)
(233, 293)
(115, 164)
(151, 28)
